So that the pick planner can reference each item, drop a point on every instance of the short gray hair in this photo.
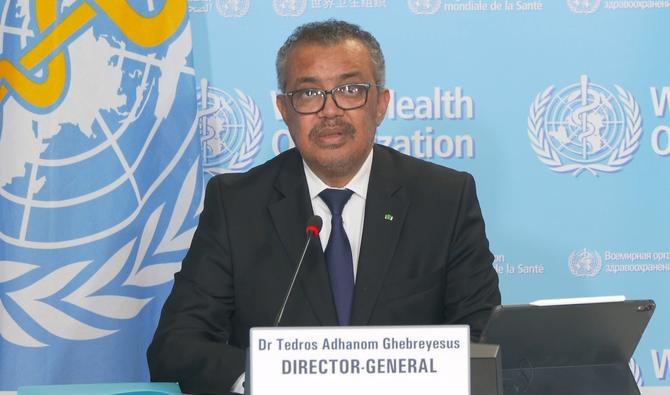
(330, 32)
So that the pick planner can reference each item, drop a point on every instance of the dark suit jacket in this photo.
(430, 264)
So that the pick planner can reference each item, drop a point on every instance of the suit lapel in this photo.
(289, 215)
(385, 209)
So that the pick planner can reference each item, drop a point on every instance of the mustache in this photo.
(344, 127)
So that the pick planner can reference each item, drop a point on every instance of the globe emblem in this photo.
(424, 7)
(222, 127)
(230, 129)
(584, 127)
(289, 7)
(585, 263)
(94, 169)
(233, 8)
(583, 6)
(584, 122)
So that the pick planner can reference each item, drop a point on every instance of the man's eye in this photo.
(351, 90)
(310, 93)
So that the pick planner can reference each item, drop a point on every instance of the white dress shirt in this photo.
(354, 210)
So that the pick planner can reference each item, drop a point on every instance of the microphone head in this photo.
(314, 225)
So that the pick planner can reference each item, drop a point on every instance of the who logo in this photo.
(424, 7)
(230, 129)
(233, 8)
(99, 183)
(585, 127)
(583, 6)
(585, 263)
(291, 8)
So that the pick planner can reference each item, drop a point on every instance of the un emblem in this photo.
(233, 8)
(583, 6)
(584, 127)
(98, 145)
(585, 263)
(289, 7)
(230, 130)
(424, 7)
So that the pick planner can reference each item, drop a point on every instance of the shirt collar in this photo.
(358, 184)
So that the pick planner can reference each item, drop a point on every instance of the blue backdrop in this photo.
(560, 109)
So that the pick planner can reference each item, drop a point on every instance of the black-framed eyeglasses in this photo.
(346, 97)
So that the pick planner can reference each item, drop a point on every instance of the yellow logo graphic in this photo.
(45, 91)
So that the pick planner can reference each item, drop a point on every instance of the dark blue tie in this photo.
(338, 254)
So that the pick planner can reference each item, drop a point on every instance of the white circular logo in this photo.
(424, 7)
(230, 130)
(585, 127)
(233, 8)
(289, 7)
(583, 6)
(585, 263)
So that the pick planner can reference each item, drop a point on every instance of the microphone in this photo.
(313, 228)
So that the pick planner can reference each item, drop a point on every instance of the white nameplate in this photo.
(427, 360)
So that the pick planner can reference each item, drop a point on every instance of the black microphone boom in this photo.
(313, 228)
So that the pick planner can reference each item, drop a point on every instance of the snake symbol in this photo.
(44, 92)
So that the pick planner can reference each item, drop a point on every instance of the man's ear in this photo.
(280, 101)
(383, 99)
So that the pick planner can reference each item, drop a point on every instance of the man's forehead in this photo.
(316, 61)
(351, 47)
(316, 79)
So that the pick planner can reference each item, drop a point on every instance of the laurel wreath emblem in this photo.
(252, 140)
(90, 295)
(36, 299)
(424, 7)
(289, 8)
(551, 157)
(576, 268)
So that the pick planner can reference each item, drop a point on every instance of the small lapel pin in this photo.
(388, 217)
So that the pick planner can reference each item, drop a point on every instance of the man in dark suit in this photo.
(406, 245)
